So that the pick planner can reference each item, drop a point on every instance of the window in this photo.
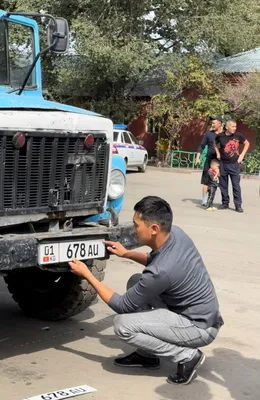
(16, 54)
(21, 53)
(3, 54)
(134, 140)
(153, 126)
(115, 136)
(127, 138)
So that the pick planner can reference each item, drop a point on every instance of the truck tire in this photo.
(53, 296)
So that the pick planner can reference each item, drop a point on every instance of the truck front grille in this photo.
(52, 173)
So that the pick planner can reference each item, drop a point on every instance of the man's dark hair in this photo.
(155, 209)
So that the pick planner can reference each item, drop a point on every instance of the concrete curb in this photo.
(192, 171)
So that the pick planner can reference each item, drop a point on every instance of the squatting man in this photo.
(171, 309)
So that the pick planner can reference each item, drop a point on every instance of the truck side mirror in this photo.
(58, 34)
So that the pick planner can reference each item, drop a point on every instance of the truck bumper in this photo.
(21, 251)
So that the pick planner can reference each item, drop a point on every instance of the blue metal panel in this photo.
(120, 126)
(32, 99)
(119, 163)
(33, 25)
(2, 13)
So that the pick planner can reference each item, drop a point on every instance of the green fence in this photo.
(187, 159)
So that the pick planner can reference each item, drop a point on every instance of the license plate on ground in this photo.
(52, 253)
(64, 393)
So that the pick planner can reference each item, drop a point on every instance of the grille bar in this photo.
(28, 171)
(2, 170)
(16, 168)
(52, 173)
(73, 193)
(39, 194)
(63, 170)
(94, 175)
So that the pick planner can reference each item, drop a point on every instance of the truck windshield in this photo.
(16, 54)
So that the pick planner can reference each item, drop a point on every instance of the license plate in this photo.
(64, 393)
(51, 253)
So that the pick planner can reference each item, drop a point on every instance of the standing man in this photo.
(227, 150)
(175, 290)
(208, 140)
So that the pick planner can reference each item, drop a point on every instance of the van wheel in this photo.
(143, 166)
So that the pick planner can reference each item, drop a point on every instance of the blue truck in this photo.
(61, 189)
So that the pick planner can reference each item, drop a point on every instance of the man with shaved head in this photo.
(227, 146)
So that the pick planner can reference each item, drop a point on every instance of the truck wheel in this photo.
(53, 296)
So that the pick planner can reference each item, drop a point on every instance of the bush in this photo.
(253, 162)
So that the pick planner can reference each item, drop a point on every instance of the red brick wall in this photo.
(248, 133)
(139, 128)
(191, 135)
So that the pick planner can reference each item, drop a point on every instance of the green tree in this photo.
(218, 26)
(117, 43)
(193, 89)
(244, 95)
(109, 53)
(107, 70)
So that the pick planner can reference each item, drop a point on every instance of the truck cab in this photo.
(61, 189)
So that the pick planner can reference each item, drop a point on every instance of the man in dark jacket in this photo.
(171, 309)
(208, 140)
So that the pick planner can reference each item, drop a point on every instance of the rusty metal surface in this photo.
(21, 251)
(127, 237)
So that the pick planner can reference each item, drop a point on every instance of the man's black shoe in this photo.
(239, 209)
(223, 207)
(137, 360)
(186, 372)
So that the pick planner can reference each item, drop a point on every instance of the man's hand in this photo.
(120, 251)
(197, 162)
(116, 248)
(240, 159)
(79, 268)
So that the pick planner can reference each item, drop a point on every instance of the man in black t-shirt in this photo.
(227, 149)
(208, 140)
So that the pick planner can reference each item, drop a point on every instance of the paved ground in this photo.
(81, 351)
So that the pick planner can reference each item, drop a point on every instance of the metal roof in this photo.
(248, 61)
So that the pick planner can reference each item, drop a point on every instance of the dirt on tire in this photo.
(53, 296)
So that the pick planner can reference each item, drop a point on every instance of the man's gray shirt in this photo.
(176, 273)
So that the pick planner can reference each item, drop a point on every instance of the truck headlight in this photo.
(117, 184)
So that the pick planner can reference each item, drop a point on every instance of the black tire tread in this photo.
(79, 297)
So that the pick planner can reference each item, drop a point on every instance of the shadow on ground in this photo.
(194, 201)
(227, 368)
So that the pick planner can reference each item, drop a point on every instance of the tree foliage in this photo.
(223, 27)
(117, 43)
(192, 90)
(245, 98)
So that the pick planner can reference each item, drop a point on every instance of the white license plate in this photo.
(64, 393)
(51, 253)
